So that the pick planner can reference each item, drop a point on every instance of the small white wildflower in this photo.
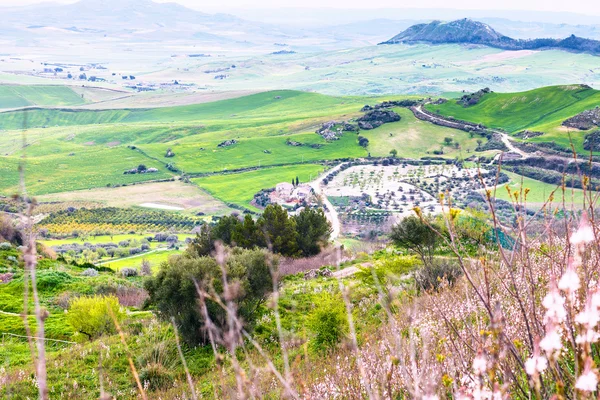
(480, 364)
(555, 306)
(536, 365)
(584, 234)
(587, 382)
(552, 342)
(588, 317)
(569, 282)
(589, 336)
(430, 397)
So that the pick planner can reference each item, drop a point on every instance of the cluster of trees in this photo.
(300, 235)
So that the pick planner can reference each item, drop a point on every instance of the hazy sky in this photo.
(577, 6)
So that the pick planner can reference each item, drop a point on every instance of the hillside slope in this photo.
(473, 32)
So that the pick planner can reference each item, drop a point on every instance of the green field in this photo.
(240, 188)
(82, 149)
(539, 192)
(526, 110)
(154, 258)
(541, 110)
(14, 96)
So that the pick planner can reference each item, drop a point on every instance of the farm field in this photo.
(413, 138)
(175, 193)
(540, 192)
(240, 188)
(155, 258)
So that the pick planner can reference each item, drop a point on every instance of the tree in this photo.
(394, 153)
(91, 316)
(225, 228)
(313, 231)
(202, 244)
(363, 141)
(413, 234)
(173, 291)
(448, 141)
(142, 168)
(246, 234)
(278, 230)
(297, 181)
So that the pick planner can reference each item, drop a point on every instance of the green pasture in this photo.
(14, 96)
(240, 188)
(539, 192)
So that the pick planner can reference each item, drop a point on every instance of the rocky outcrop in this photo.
(471, 99)
(376, 118)
(584, 120)
(528, 134)
(227, 143)
(390, 104)
(592, 141)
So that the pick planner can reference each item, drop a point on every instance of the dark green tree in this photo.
(173, 292)
(297, 181)
(247, 235)
(203, 244)
(224, 229)
(414, 234)
(278, 230)
(313, 231)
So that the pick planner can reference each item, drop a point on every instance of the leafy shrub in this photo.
(90, 272)
(91, 315)
(432, 275)
(328, 323)
(52, 280)
(5, 246)
(173, 293)
(128, 272)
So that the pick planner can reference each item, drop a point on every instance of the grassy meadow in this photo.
(240, 188)
(541, 110)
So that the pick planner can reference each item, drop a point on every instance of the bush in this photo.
(5, 246)
(328, 323)
(90, 272)
(156, 377)
(128, 272)
(432, 275)
(145, 268)
(173, 293)
(91, 315)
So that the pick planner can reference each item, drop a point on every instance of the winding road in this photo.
(504, 137)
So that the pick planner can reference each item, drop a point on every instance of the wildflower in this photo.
(584, 234)
(480, 364)
(588, 381)
(590, 336)
(430, 397)
(588, 317)
(569, 282)
(536, 365)
(555, 307)
(552, 342)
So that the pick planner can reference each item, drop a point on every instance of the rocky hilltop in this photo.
(474, 32)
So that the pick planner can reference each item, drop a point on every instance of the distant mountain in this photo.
(474, 32)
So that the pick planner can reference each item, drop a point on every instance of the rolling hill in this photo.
(468, 31)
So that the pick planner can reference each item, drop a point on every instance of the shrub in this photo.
(173, 293)
(128, 272)
(90, 272)
(156, 377)
(434, 274)
(328, 323)
(91, 315)
(5, 246)
(145, 268)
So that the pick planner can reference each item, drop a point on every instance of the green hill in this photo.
(535, 109)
